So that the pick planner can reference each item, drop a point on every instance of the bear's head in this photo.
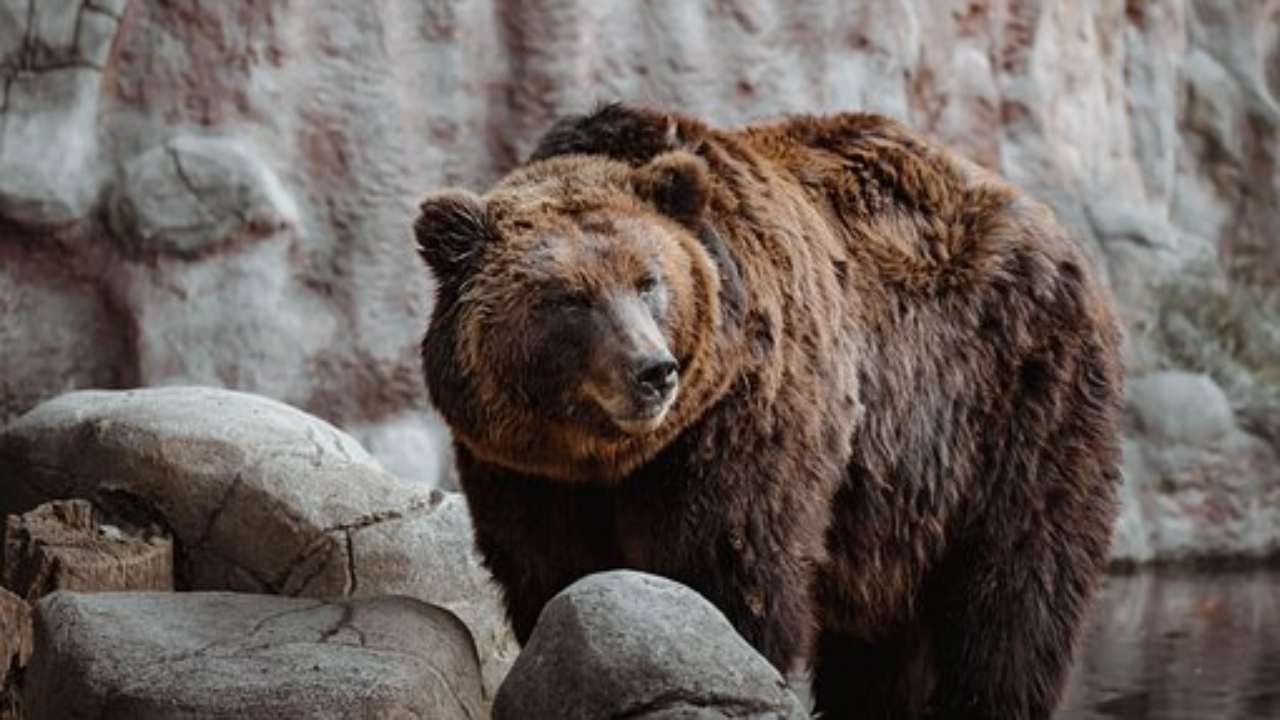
(576, 313)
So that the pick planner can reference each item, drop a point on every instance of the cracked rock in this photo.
(259, 497)
(51, 60)
(627, 644)
(147, 656)
(193, 195)
(246, 485)
(429, 555)
(433, 556)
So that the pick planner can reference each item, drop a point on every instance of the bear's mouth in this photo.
(636, 415)
(642, 423)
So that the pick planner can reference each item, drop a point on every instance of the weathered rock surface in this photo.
(433, 556)
(403, 444)
(245, 483)
(60, 545)
(627, 644)
(1197, 486)
(192, 196)
(52, 56)
(259, 497)
(153, 656)
(284, 266)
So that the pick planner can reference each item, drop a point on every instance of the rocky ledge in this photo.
(147, 656)
(286, 574)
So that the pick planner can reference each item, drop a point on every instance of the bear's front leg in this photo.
(754, 560)
(536, 537)
(766, 591)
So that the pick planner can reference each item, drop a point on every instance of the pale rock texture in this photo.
(52, 58)
(259, 497)
(192, 195)
(398, 440)
(626, 644)
(1196, 484)
(200, 656)
(231, 195)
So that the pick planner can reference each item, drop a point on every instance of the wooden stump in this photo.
(15, 649)
(61, 546)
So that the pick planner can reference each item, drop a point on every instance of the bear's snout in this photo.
(642, 389)
(634, 377)
(655, 377)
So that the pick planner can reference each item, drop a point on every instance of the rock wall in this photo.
(220, 193)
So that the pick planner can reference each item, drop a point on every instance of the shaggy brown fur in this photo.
(893, 449)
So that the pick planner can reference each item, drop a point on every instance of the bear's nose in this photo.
(657, 376)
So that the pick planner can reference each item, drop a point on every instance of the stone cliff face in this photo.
(220, 193)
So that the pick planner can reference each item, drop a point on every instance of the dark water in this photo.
(1181, 647)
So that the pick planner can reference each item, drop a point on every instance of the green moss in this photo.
(1229, 331)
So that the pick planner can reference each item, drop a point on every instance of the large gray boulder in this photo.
(246, 484)
(627, 644)
(198, 656)
(259, 497)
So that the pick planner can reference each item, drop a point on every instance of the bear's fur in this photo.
(892, 453)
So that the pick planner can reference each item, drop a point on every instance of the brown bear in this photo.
(858, 393)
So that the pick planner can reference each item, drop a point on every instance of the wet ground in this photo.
(1181, 647)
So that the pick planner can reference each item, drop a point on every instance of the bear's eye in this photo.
(647, 285)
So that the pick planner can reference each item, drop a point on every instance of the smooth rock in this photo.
(193, 195)
(245, 483)
(1180, 407)
(627, 644)
(150, 656)
(429, 554)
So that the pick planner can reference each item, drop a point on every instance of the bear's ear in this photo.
(449, 229)
(677, 183)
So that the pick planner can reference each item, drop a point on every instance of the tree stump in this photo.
(15, 649)
(61, 545)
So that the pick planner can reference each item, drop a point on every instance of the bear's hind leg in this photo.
(889, 679)
(1005, 630)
